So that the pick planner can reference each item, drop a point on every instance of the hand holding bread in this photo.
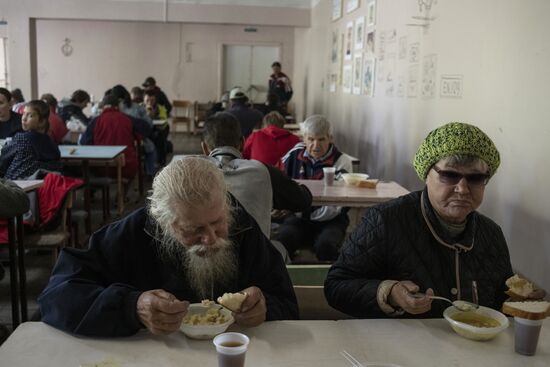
(249, 310)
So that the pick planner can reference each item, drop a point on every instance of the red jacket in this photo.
(269, 144)
(58, 129)
(113, 127)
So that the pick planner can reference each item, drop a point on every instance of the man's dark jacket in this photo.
(393, 242)
(94, 292)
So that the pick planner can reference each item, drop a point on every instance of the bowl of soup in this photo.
(205, 322)
(481, 324)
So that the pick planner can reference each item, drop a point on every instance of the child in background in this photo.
(31, 149)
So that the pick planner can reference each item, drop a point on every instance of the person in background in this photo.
(113, 127)
(219, 106)
(325, 227)
(58, 130)
(160, 135)
(31, 149)
(192, 242)
(257, 186)
(10, 122)
(271, 143)
(72, 108)
(249, 118)
(150, 85)
(272, 104)
(136, 93)
(431, 241)
(17, 101)
(279, 84)
(137, 111)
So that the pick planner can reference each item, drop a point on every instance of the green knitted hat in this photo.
(455, 138)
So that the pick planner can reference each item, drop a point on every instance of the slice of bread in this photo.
(369, 183)
(518, 288)
(531, 310)
(232, 301)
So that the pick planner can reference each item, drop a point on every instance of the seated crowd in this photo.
(207, 226)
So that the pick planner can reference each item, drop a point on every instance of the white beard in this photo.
(204, 266)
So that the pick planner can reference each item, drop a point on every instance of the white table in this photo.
(95, 155)
(422, 343)
(341, 194)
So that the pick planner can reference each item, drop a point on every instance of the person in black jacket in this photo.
(430, 241)
(258, 187)
(192, 242)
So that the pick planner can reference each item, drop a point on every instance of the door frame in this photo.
(221, 46)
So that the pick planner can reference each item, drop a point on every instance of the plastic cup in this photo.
(526, 335)
(328, 175)
(231, 349)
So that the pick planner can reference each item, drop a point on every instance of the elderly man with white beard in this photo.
(194, 241)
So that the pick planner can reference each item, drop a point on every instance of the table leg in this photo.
(120, 188)
(13, 274)
(86, 177)
(22, 269)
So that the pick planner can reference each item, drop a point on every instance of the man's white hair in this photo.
(316, 125)
(191, 181)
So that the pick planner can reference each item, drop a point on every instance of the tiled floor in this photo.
(39, 264)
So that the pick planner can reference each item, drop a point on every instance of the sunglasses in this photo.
(453, 177)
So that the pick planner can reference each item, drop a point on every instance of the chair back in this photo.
(182, 113)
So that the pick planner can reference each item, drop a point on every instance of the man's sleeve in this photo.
(87, 137)
(353, 280)
(287, 193)
(85, 294)
(263, 266)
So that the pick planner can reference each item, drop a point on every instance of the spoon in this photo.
(463, 306)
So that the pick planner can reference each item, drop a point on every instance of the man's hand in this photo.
(280, 214)
(253, 309)
(161, 312)
(400, 296)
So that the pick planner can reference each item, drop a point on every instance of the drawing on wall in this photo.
(351, 5)
(340, 57)
(414, 53)
(451, 86)
(370, 42)
(381, 45)
(380, 71)
(429, 67)
(333, 82)
(349, 41)
(389, 75)
(368, 76)
(400, 90)
(334, 46)
(391, 36)
(402, 47)
(371, 13)
(336, 9)
(357, 68)
(346, 79)
(425, 4)
(359, 33)
(412, 85)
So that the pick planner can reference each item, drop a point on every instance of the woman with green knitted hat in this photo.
(428, 242)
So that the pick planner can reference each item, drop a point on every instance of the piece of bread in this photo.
(531, 310)
(369, 183)
(518, 288)
(232, 301)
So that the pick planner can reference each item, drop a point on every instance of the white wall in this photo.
(501, 47)
(275, 25)
(106, 53)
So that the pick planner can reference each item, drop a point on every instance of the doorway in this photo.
(249, 67)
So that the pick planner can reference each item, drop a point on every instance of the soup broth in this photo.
(475, 319)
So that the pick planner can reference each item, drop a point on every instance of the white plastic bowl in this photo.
(473, 332)
(354, 178)
(205, 331)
